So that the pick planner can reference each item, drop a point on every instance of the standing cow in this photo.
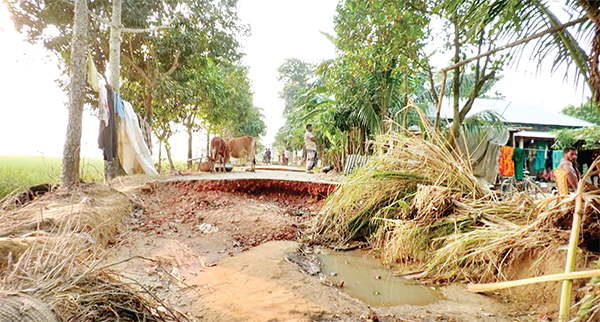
(241, 147)
(219, 152)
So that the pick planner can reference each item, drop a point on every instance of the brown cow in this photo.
(241, 147)
(218, 152)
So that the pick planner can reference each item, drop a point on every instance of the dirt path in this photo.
(221, 256)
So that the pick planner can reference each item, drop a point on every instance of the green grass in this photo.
(22, 171)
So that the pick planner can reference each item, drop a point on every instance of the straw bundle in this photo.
(386, 185)
(24, 308)
(92, 209)
(67, 277)
(431, 203)
(422, 203)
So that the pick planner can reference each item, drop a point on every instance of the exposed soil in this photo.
(217, 249)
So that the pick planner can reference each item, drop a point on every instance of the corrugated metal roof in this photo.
(516, 112)
(535, 134)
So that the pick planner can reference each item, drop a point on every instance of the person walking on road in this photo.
(311, 149)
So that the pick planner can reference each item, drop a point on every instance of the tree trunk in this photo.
(189, 163)
(71, 151)
(148, 105)
(159, 154)
(168, 149)
(456, 121)
(113, 168)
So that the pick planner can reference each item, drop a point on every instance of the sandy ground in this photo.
(221, 256)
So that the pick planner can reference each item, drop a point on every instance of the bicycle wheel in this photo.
(530, 188)
(507, 186)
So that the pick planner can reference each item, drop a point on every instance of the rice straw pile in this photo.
(385, 186)
(420, 205)
(67, 276)
(58, 260)
(93, 209)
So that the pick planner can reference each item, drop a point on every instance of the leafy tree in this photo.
(586, 112)
(379, 44)
(294, 74)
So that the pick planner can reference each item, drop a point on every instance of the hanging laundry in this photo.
(540, 156)
(103, 113)
(134, 154)
(548, 164)
(487, 165)
(518, 157)
(92, 73)
(507, 166)
(557, 156)
(146, 131)
(119, 106)
(108, 138)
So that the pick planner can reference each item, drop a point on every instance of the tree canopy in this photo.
(180, 59)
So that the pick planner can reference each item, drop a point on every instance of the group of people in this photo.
(310, 144)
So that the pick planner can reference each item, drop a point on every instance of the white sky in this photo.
(33, 115)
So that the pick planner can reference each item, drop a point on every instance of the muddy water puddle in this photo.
(363, 278)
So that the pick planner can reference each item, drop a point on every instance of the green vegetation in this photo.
(21, 171)
(586, 112)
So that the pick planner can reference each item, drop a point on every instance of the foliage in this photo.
(19, 172)
(294, 74)
(183, 68)
(380, 45)
(585, 138)
(586, 112)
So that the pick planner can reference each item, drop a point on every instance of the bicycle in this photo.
(510, 185)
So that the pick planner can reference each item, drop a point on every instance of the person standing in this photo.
(287, 156)
(268, 156)
(568, 164)
(311, 149)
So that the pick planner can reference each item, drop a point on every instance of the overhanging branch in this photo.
(516, 43)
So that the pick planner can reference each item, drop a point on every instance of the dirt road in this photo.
(222, 255)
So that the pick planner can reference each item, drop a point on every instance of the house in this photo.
(529, 124)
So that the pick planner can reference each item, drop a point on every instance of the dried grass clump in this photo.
(422, 203)
(93, 209)
(386, 185)
(431, 203)
(67, 276)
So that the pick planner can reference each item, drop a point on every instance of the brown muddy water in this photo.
(366, 280)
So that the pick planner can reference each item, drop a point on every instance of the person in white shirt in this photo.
(311, 149)
(287, 156)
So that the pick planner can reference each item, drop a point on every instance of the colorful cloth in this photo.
(557, 156)
(540, 156)
(507, 166)
(146, 132)
(518, 157)
(119, 106)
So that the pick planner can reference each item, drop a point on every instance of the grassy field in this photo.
(21, 171)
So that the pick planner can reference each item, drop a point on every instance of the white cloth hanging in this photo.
(133, 152)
